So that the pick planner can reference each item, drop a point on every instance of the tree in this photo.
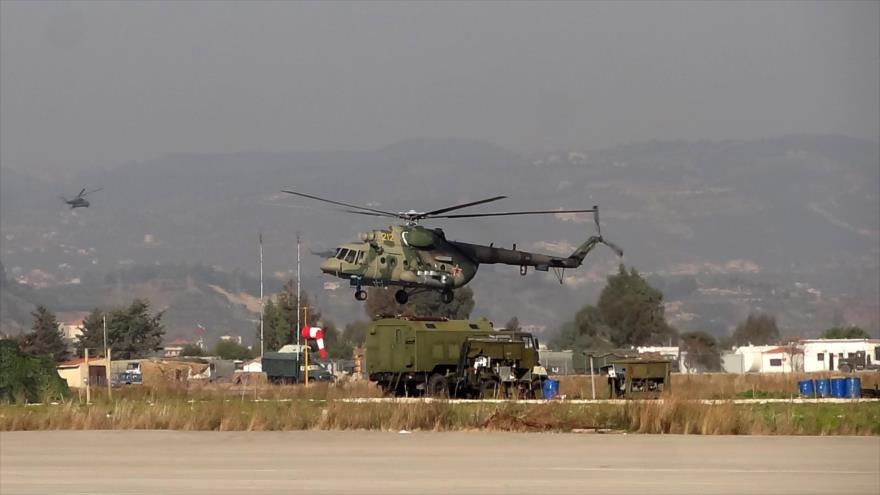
(585, 332)
(852, 332)
(701, 351)
(381, 301)
(356, 332)
(633, 310)
(192, 350)
(513, 324)
(45, 338)
(26, 378)
(229, 349)
(335, 343)
(279, 317)
(757, 329)
(132, 332)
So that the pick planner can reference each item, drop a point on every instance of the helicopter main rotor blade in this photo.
(458, 207)
(81, 192)
(511, 213)
(371, 214)
(92, 191)
(339, 203)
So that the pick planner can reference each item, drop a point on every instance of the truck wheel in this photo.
(437, 386)
(401, 296)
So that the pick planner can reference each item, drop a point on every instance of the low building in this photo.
(253, 366)
(175, 348)
(825, 354)
(75, 372)
(745, 359)
(556, 362)
(785, 359)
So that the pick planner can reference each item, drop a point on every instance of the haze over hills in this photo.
(787, 225)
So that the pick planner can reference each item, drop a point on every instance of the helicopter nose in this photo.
(331, 265)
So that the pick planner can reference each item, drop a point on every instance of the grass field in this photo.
(272, 408)
(714, 385)
(669, 416)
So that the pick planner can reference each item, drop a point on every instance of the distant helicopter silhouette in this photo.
(80, 200)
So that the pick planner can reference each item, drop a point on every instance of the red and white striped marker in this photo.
(317, 334)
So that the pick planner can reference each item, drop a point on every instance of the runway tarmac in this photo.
(172, 462)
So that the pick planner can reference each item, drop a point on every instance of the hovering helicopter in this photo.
(417, 258)
(80, 200)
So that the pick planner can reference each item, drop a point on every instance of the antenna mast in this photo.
(298, 323)
(262, 304)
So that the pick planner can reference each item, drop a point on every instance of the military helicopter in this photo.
(417, 258)
(80, 200)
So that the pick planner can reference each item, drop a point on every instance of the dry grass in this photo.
(669, 416)
(713, 385)
(223, 407)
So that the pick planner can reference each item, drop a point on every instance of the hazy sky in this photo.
(99, 84)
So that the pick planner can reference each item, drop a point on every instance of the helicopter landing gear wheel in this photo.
(360, 295)
(401, 296)
(446, 296)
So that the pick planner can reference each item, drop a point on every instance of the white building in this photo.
(253, 366)
(673, 353)
(783, 359)
(745, 359)
(825, 354)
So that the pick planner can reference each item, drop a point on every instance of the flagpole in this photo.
(298, 322)
(262, 345)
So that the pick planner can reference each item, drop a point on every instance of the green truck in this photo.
(459, 358)
(286, 367)
(638, 378)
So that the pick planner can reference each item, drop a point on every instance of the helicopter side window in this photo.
(349, 258)
(360, 257)
(342, 253)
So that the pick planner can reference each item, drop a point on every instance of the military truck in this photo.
(440, 358)
(638, 378)
(286, 367)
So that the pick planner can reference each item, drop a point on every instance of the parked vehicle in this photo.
(460, 358)
(638, 378)
(286, 367)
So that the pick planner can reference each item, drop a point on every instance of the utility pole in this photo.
(109, 381)
(306, 347)
(592, 378)
(106, 359)
(298, 323)
(88, 377)
(262, 308)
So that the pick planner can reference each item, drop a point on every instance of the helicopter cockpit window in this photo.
(337, 252)
(341, 254)
(360, 257)
(349, 258)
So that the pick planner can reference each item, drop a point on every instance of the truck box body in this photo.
(438, 357)
(281, 366)
(402, 346)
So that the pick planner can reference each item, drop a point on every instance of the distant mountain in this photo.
(783, 211)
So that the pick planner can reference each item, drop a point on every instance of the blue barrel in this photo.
(823, 387)
(807, 388)
(838, 388)
(551, 388)
(853, 387)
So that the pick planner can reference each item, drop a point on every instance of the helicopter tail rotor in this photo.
(614, 247)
